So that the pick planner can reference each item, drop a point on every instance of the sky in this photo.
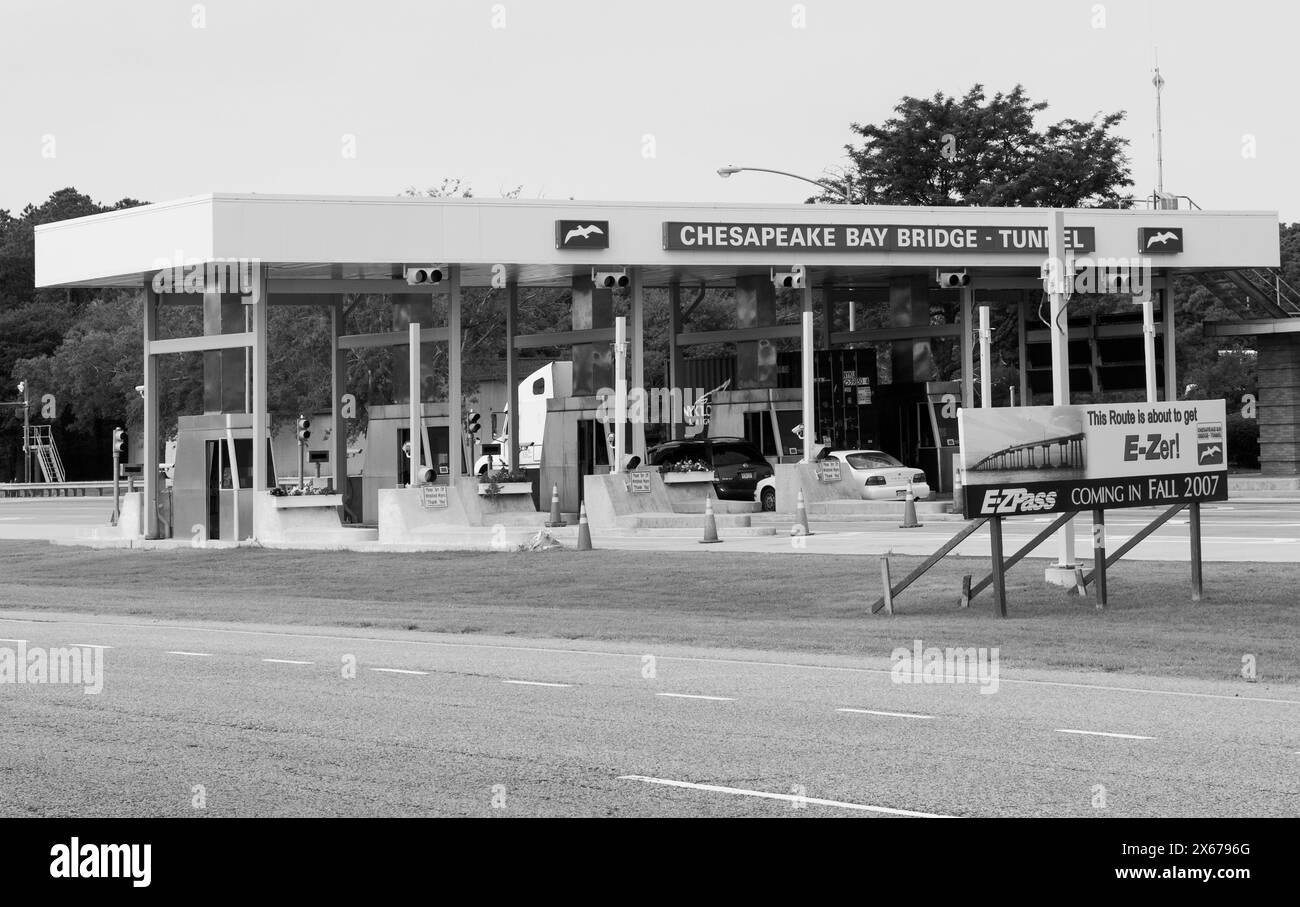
(612, 100)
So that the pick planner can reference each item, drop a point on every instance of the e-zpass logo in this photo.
(1017, 500)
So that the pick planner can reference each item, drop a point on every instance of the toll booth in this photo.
(212, 488)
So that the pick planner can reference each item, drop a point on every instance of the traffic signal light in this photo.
(472, 423)
(791, 279)
(424, 275)
(119, 441)
(304, 429)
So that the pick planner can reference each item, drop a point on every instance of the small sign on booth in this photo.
(828, 470)
(433, 497)
(639, 481)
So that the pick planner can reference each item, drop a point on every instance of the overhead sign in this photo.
(582, 234)
(1154, 240)
(1052, 459)
(692, 236)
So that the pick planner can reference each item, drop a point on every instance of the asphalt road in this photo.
(265, 720)
(1247, 530)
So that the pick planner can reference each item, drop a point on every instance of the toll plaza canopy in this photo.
(315, 249)
(298, 237)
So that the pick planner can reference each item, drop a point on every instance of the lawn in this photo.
(790, 603)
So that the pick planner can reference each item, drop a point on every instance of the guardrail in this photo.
(57, 489)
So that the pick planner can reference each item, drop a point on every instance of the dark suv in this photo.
(739, 464)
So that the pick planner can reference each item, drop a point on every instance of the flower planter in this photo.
(507, 487)
(288, 502)
(684, 478)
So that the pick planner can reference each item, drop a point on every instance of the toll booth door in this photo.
(438, 438)
(218, 473)
(593, 450)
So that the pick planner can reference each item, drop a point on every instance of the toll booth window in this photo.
(539, 387)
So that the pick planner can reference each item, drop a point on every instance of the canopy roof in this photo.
(371, 238)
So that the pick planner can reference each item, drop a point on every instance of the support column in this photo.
(620, 394)
(637, 378)
(1022, 313)
(676, 366)
(261, 477)
(415, 412)
(1149, 343)
(457, 445)
(967, 352)
(1171, 344)
(512, 375)
(806, 377)
(1063, 572)
(338, 387)
(150, 431)
(986, 359)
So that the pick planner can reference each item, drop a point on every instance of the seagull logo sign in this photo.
(582, 234)
(1209, 454)
(1160, 239)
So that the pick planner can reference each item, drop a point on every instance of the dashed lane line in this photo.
(788, 798)
(536, 683)
(1064, 730)
(885, 714)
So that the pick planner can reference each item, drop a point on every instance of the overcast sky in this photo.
(607, 100)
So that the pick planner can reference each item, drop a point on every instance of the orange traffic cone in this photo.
(584, 531)
(555, 519)
(710, 524)
(909, 512)
(801, 512)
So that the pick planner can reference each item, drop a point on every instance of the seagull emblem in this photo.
(1161, 238)
(1211, 452)
(583, 232)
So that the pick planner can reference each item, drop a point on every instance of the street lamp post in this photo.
(727, 171)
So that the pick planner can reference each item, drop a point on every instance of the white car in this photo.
(877, 475)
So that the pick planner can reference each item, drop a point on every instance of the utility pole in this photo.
(1159, 82)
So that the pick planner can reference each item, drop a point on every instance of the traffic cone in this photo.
(801, 514)
(555, 519)
(584, 531)
(710, 524)
(909, 512)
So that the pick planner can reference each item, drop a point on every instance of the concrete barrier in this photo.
(407, 515)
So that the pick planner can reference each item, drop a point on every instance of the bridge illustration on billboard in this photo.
(1069, 453)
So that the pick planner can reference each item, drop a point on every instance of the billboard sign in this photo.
(1052, 459)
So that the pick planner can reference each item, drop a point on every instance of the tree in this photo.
(977, 150)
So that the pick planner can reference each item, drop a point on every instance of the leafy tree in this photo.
(977, 150)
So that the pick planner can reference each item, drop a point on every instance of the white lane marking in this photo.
(398, 671)
(886, 714)
(195, 654)
(789, 798)
(536, 683)
(1066, 730)
(690, 696)
(286, 661)
(89, 645)
(603, 653)
(3, 639)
